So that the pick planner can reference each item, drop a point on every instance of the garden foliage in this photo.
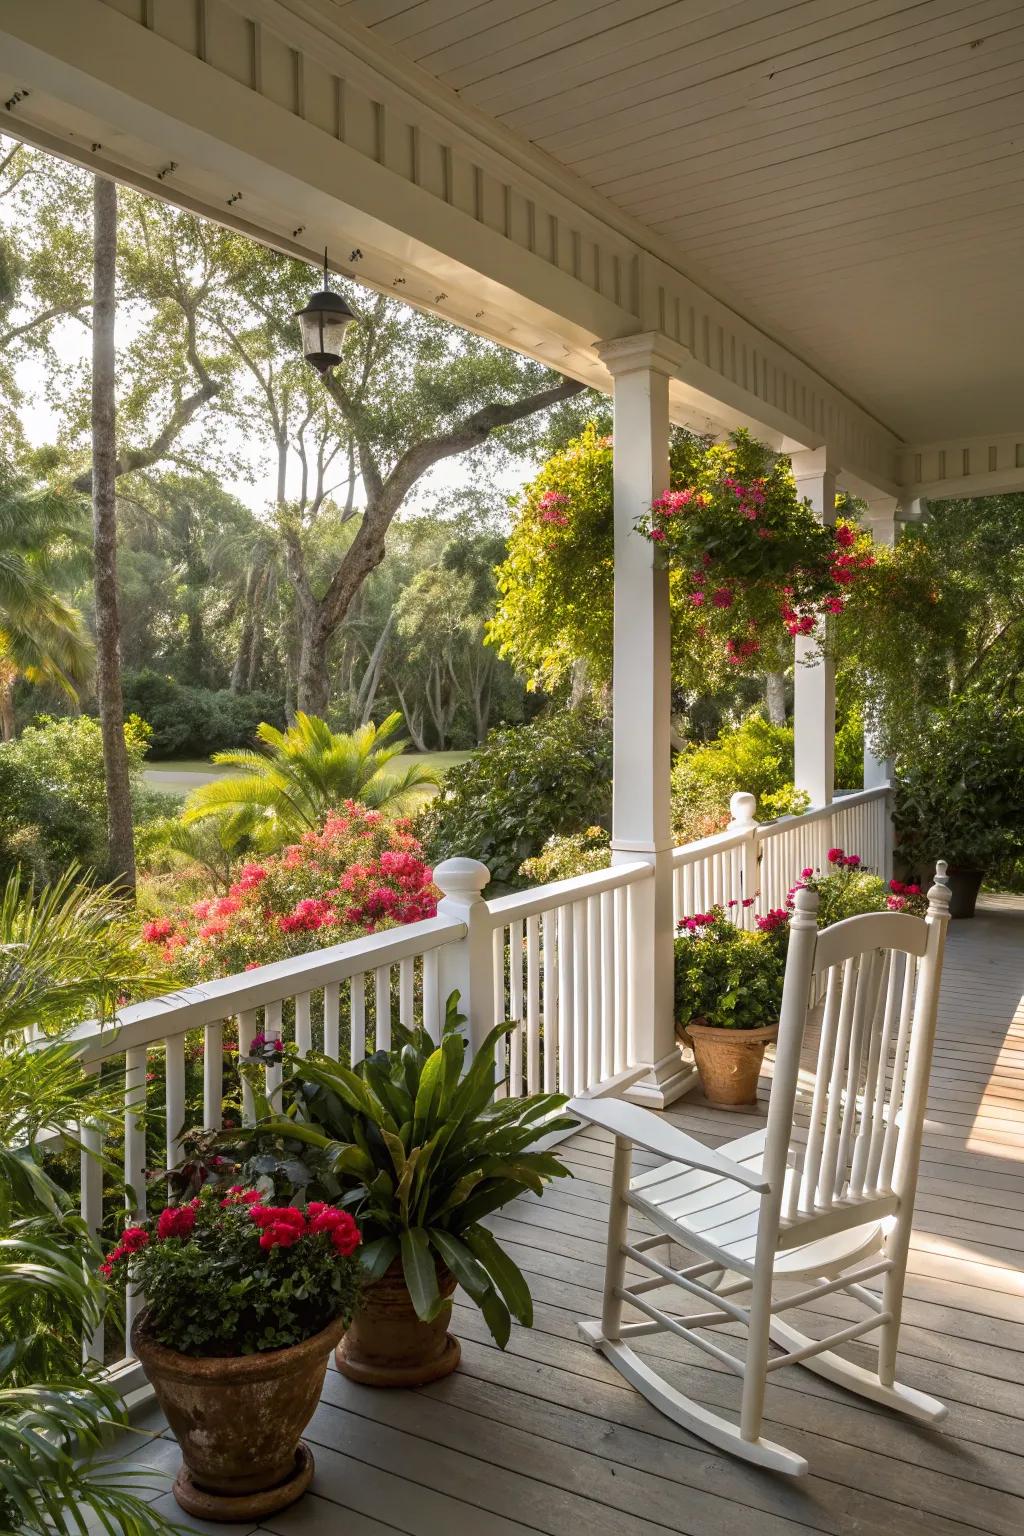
(415, 1144)
(360, 872)
(187, 721)
(551, 776)
(228, 1274)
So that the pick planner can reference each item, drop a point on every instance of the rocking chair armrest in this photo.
(654, 1134)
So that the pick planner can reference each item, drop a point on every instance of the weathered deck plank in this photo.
(547, 1438)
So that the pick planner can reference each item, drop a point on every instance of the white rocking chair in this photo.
(783, 1218)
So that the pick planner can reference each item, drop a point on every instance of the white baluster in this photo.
(135, 1159)
(608, 979)
(332, 1012)
(382, 1001)
(247, 1028)
(532, 1005)
(357, 1019)
(174, 1048)
(550, 1002)
(407, 992)
(579, 996)
(566, 1001)
(91, 1197)
(303, 1025)
(273, 1029)
(431, 1002)
(213, 1076)
(621, 915)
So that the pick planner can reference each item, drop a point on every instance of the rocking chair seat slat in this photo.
(713, 1210)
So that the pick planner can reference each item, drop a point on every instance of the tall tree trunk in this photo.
(775, 697)
(314, 683)
(120, 841)
(241, 672)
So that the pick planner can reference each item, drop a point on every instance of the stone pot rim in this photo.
(254, 1367)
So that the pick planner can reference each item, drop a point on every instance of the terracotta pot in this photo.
(387, 1344)
(238, 1420)
(729, 1060)
(964, 885)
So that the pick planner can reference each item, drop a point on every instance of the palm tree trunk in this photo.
(120, 840)
(8, 678)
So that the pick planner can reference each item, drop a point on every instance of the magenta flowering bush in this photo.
(362, 871)
(726, 976)
(227, 1274)
(849, 889)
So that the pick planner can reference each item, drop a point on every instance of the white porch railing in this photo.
(763, 860)
(560, 961)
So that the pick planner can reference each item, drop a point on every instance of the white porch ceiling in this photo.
(849, 176)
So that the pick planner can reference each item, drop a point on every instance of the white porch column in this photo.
(814, 682)
(880, 522)
(641, 820)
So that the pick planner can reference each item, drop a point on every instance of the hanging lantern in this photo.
(323, 324)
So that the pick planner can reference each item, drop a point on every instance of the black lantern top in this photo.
(323, 324)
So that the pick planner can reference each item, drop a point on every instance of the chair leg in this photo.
(618, 1224)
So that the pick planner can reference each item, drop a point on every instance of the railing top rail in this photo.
(561, 893)
(718, 842)
(766, 829)
(220, 998)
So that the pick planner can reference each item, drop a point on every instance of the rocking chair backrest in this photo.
(873, 1059)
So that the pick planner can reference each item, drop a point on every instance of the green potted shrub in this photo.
(728, 989)
(959, 795)
(420, 1151)
(244, 1302)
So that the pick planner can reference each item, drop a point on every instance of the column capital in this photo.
(814, 463)
(645, 351)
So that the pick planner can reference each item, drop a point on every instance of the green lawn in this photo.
(180, 775)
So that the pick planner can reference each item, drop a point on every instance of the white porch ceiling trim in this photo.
(298, 128)
(328, 138)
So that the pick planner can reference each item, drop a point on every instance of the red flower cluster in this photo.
(344, 1234)
(698, 921)
(843, 860)
(906, 896)
(132, 1239)
(176, 1221)
(283, 1225)
(773, 920)
(308, 916)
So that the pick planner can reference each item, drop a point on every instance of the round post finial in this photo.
(462, 880)
(940, 894)
(742, 807)
(805, 909)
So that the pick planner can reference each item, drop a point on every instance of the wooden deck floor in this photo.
(547, 1438)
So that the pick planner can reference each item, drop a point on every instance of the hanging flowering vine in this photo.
(757, 564)
(749, 564)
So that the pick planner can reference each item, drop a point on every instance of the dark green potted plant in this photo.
(420, 1151)
(960, 795)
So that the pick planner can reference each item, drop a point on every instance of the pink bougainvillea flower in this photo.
(836, 855)
(722, 597)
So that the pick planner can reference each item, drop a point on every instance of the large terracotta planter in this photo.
(388, 1346)
(238, 1420)
(729, 1060)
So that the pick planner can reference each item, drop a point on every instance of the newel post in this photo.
(743, 818)
(467, 966)
(641, 367)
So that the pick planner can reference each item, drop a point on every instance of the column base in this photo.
(667, 1081)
